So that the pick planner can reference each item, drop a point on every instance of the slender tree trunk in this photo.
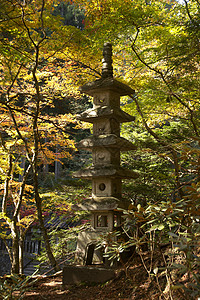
(38, 200)
(22, 165)
(42, 226)
(198, 166)
(57, 165)
(45, 166)
(38, 99)
(45, 169)
(21, 235)
(15, 249)
(8, 250)
(14, 253)
(21, 253)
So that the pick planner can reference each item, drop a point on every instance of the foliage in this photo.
(34, 41)
(63, 233)
(63, 242)
(59, 199)
(168, 233)
(14, 286)
(154, 167)
(155, 51)
(70, 13)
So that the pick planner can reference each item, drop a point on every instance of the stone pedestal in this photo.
(78, 274)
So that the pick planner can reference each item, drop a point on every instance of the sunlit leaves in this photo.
(164, 66)
(35, 50)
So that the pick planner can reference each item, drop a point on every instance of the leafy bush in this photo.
(14, 286)
(166, 236)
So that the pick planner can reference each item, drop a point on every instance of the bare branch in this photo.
(41, 18)
(136, 36)
(8, 250)
(6, 184)
(27, 29)
(187, 9)
(13, 81)
(21, 192)
(18, 131)
(17, 49)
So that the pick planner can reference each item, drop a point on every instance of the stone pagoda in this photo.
(106, 144)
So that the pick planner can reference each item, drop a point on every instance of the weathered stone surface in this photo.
(104, 155)
(106, 126)
(108, 141)
(77, 274)
(84, 242)
(107, 187)
(98, 203)
(106, 98)
(91, 115)
(109, 83)
(101, 204)
(107, 68)
(102, 171)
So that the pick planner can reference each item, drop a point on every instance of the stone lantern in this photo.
(106, 144)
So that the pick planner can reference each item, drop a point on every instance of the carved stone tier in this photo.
(106, 141)
(101, 204)
(102, 112)
(103, 84)
(104, 171)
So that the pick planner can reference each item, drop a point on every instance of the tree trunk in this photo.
(15, 250)
(45, 169)
(45, 235)
(57, 165)
(21, 254)
(45, 165)
(38, 200)
(22, 165)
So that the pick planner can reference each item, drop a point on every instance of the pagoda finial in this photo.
(107, 69)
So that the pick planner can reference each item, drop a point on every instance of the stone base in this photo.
(78, 274)
(86, 239)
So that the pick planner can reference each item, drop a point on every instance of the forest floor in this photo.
(131, 283)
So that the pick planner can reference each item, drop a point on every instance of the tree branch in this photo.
(169, 87)
(13, 81)
(8, 250)
(188, 12)
(18, 131)
(21, 192)
(6, 184)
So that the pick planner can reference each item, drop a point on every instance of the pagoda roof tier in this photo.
(100, 171)
(101, 112)
(101, 204)
(108, 83)
(107, 140)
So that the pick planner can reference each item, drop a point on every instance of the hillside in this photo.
(130, 283)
